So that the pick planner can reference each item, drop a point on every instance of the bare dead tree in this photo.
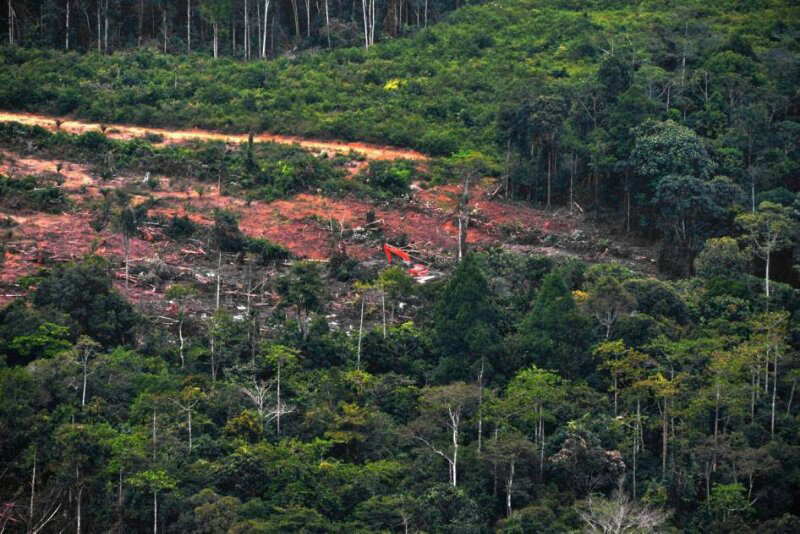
(619, 514)
(258, 392)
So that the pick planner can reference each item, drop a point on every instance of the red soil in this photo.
(301, 223)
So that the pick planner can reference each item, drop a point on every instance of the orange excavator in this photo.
(416, 271)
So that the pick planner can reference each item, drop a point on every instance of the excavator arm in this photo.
(416, 271)
(390, 250)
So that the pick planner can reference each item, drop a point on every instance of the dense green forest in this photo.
(514, 392)
(522, 392)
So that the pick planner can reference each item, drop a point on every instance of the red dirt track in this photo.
(117, 131)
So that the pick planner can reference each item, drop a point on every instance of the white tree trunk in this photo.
(509, 484)
(308, 18)
(454, 421)
(327, 24)
(246, 31)
(264, 33)
(366, 26)
(774, 391)
(219, 276)
(280, 407)
(190, 429)
(85, 375)
(154, 433)
(766, 275)
(164, 26)
(180, 337)
(66, 46)
(215, 27)
(360, 330)
(78, 506)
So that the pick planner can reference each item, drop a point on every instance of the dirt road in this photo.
(118, 131)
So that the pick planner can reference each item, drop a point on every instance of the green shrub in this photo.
(29, 193)
(386, 179)
(267, 252)
(180, 228)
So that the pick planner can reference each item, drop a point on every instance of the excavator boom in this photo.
(416, 271)
(390, 250)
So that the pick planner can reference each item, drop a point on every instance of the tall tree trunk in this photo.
(360, 330)
(182, 341)
(296, 19)
(280, 407)
(164, 26)
(105, 34)
(219, 276)
(366, 20)
(308, 18)
(463, 219)
(79, 501)
(190, 428)
(541, 444)
(154, 433)
(66, 45)
(213, 357)
(774, 391)
(246, 31)
(155, 512)
(454, 466)
(766, 276)
(327, 24)
(215, 30)
(572, 168)
(266, 28)
(33, 487)
(85, 376)
(509, 485)
(374, 14)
